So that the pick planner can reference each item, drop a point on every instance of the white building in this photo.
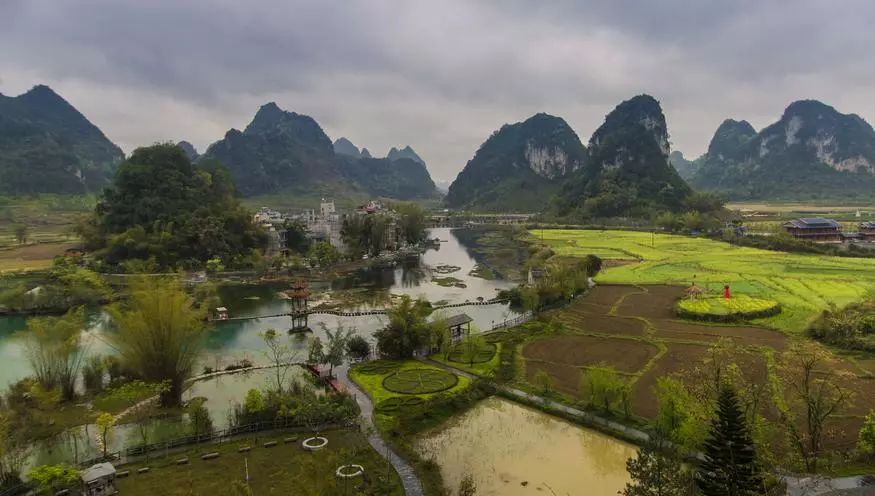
(325, 225)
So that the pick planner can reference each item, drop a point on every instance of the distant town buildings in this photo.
(325, 224)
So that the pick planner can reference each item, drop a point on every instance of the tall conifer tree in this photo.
(730, 467)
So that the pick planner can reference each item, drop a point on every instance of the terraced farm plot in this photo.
(641, 339)
(583, 351)
(803, 284)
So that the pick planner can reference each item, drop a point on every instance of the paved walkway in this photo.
(412, 485)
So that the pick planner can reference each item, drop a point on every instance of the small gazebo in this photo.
(694, 292)
(455, 324)
(99, 480)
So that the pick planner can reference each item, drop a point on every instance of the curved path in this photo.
(411, 483)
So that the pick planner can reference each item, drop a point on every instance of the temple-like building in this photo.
(815, 229)
(867, 230)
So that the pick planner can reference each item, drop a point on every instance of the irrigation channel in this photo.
(364, 292)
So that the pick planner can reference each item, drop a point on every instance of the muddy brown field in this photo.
(626, 326)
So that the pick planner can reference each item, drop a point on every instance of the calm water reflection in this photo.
(513, 450)
(231, 341)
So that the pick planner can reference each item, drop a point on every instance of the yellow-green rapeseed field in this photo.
(803, 284)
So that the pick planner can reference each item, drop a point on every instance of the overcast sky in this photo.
(438, 75)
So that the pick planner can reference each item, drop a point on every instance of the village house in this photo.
(815, 229)
(867, 230)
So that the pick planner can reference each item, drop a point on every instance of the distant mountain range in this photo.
(540, 164)
(46, 145)
(282, 151)
(812, 152)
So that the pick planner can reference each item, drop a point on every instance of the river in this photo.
(231, 341)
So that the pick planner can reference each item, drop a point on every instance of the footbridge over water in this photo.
(356, 313)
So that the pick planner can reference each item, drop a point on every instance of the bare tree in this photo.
(815, 391)
(281, 354)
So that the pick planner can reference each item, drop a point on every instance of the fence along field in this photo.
(803, 284)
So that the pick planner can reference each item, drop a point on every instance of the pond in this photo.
(222, 392)
(512, 450)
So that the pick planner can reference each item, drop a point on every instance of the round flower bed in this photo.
(392, 405)
(420, 381)
(314, 443)
(483, 354)
(719, 309)
(349, 471)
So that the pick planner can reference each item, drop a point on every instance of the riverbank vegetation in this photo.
(190, 215)
(64, 285)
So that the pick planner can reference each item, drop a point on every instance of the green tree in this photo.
(296, 236)
(324, 254)
(606, 388)
(93, 373)
(680, 417)
(20, 231)
(316, 352)
(544, 381)
(730, 464)
(199, 421)
(160, 334)
(471, 347)
(161, 205)
(254, 402)
(657, 470)
(105, 422)
(337, 341)
(407, 331)
(358, 348)
(866, 437)
(50, 478)
(54, 348)
(411, 222)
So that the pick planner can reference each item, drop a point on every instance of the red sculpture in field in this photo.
(726, 293)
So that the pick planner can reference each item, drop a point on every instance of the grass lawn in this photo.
(804, 285)
(372, 382)
(282, 470)
(483, 369)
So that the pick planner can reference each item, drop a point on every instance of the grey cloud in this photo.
(440, 76)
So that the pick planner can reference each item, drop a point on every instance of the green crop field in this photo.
(717, 305)
(804, 285)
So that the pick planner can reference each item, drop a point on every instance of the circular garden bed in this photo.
(392, 405)
(484, 353)
(420, 381)
(719, 309)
